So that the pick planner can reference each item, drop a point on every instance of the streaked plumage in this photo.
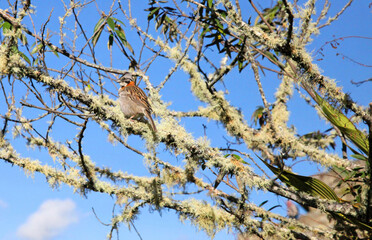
(133, 101)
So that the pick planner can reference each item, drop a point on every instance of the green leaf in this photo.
(6, 27)
(23, 39)
(263, 203)
(97, 31)
(117, 20)
(210, 3)
(110, 41)
(154, 11)
(160, 21)
(111, 23)
(310, 185)
(271, 56)
(220, 26)
(53, 51)
(238, 158)
(223, 13)
(240, 65)
(25, 57)
(168, 20)
(121, 34)
(314, 187)
(36, 49)
(98, 25)
(205, 30)
(15, 50)
(340, 121)
(273, 207)
(359, 157)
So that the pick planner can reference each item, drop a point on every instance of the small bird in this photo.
(292, 210)
(133, 101)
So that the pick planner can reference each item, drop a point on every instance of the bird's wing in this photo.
(138, 96)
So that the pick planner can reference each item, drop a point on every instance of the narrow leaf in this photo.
(36, 48)
(210, 3)
(25, 57)
(205, 30)
(15, 50)
(359, 157)
(110, 41)
(23, 39)
(340, 121)
(53, 51)
(97, 31)
(263, 203)
(155, 11)
(310, 185)
(117, 20)
(274, 207)
(111, 23)
(98, 25)
(121, 34)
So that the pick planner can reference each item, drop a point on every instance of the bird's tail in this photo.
(148, 115)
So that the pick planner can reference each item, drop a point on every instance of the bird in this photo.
(292, 210)
(133, 101)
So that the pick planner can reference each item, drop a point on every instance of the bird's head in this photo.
(125, 79)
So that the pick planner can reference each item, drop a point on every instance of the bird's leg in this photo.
(131, 118)
(135, 117)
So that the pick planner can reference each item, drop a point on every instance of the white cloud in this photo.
(49, 220)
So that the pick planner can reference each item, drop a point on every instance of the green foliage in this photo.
(356, 178)
(310, 185)
(214, 29)
(339, 120)
(15, 50)
(5, 26)
(98, 28)
(116, 30)
(6, 29)
(315, 188)
(163, 19)
(274, 16)
(219, 36)
(353, 180)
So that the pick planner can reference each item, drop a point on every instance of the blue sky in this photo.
(28, 205)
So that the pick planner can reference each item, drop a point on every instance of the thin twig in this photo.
(14, 22)
(330, 20)
(85, 168)
(261, 16)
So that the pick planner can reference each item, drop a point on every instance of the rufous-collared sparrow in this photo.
(133, 101)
